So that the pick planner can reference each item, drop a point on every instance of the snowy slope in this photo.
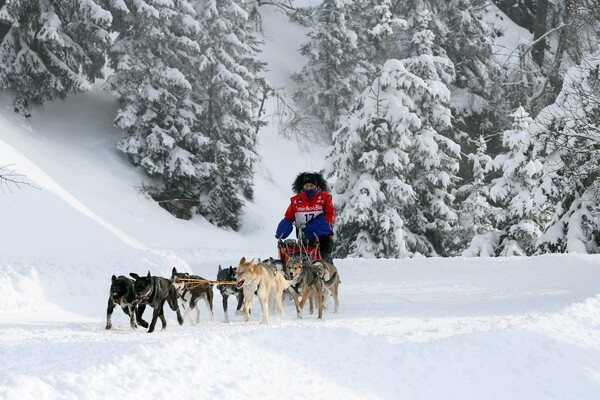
(407, 329)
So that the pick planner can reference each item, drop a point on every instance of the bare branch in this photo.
(285, 5)
(294, 124)
(9, 179)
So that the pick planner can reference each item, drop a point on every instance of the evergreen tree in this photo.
(477, 215)
(186, 77)
(232, 92)
(468, 42)
(570, 134)
(520, 221)
(155, 58)
(338, 67)
(434, 154)
(50, 49)
(370, 164)
(393, 168)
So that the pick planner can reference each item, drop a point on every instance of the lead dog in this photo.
(258, 278)
(190, 293)
(331, 281)
(122, 294)
(228, 275)
(155, 290)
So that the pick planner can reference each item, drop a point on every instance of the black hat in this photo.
(309, 177)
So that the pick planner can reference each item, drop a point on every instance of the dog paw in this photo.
(108, 327)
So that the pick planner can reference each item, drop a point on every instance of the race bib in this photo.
(304, 214)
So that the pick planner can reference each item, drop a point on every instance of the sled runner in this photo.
(298, 249)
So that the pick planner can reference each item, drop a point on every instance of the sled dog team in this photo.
(313, 281)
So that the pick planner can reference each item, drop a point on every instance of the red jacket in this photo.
(302, 210)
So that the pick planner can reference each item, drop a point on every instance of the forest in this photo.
(444, 139)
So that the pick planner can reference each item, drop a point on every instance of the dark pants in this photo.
(326, 246)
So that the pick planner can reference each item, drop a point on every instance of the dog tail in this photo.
(330, 281)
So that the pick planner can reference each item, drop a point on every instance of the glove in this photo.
(317, 226)
(284, 229)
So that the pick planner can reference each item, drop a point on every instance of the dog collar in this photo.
(146, 297)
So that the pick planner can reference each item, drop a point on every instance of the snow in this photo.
(461, 328)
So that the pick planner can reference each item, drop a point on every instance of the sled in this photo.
(298, 249)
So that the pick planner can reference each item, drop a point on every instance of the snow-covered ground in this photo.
(511, 328)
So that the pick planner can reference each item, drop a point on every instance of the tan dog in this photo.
(260, 279)
(310, 284)
(331, 281)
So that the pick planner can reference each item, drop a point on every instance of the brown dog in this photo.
(260, 279)
(310, 284)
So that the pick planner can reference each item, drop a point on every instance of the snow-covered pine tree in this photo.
(476, 214)
(338, 64)
(520, 221)
(468, 42)
(369, 163)
(569, 186)
(155, 59)
(393, 169)
(232, 90)
(383, 29)
(50, 49)
(434, 154)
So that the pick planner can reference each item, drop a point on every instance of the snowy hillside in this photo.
(510, 328)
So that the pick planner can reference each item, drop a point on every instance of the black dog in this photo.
(190, 293)
(122, 294)
(228, 274)
(155, 290)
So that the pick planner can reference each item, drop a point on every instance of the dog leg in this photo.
(279, 301)
(240, 301)
(319, 296)
(130, 310)
(305, 296)
(174, 304)
(154, 319)
(109, 311)
(187, 314)
(334, 293)
(209, 305)
(264, 307)
(161, 315)
(197, 311)
(326, 295)
(246, 306)
(140, 308)
(225, 308)
(296, 303)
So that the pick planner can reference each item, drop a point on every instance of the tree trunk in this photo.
(539, 29)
